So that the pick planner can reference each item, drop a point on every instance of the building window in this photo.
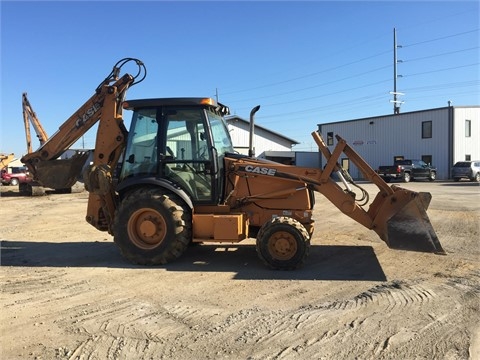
(468, 128)
(468, 157)
(426, 129)
(330, 138)
(427, 159)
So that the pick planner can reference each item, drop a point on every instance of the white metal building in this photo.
(268, 144)
(263, 141)
(440, 136)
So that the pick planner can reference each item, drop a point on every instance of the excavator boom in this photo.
(105, 105)
(29, 116)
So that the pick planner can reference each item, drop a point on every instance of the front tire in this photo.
(283, 243)
(152, 226)
(14, 182)
(433, 176)
(476, 178)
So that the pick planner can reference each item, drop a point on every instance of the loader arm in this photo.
(397, 215)
(104, 107)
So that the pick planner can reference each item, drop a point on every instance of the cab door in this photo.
(185, 154)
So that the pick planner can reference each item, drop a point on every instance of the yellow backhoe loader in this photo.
(34, 187)
(5, 160)
(174, 179)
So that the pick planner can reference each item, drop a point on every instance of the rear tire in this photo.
(152, 226)
(283, 243)
(406, 177)
(14, 182)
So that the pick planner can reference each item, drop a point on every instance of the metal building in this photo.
(440, 136)
(264, 140)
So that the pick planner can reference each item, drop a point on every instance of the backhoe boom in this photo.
(104, 107)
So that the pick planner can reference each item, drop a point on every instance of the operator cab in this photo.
(181, 140)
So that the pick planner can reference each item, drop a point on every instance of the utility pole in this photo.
(395, 101)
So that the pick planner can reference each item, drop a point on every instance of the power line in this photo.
(307, 75)
(351, 104)
(315, 86)
(442, 54)
(440, 70)
(441, 38)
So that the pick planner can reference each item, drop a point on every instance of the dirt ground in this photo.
(66, 292)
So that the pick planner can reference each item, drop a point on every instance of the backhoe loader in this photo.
(33, 186)
(174, 179)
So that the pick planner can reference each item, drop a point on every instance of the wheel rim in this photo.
(147, 228)
(282, 245)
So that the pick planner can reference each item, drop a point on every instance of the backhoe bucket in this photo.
(409, 228)
(60, 173)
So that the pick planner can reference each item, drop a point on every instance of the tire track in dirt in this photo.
(120, 329)
(385, 321)
(370, 324)
(333, 329)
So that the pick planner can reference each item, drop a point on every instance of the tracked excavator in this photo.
(174, 179)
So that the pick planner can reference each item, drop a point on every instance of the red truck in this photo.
(17, 176)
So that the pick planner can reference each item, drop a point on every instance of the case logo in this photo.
(260, 170)
(87, 115)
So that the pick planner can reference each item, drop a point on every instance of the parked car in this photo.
(407, 170)
(17, 176)
(466, 170)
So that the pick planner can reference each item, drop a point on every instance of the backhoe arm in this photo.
(29, 116)
(104, 107)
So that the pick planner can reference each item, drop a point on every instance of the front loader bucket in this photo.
(60, 173)
(409, 227)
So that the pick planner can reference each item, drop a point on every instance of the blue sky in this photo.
(305, 63)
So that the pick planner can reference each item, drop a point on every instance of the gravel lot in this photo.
(66, 292)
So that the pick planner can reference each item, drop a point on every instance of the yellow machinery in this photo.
(5, 160)
(174, 178)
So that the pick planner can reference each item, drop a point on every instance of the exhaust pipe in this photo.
(251, 151)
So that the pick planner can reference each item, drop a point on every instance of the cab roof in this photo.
(186, 101)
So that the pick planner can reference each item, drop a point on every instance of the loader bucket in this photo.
(60, 173)
(409, 228)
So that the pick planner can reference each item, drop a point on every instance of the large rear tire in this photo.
(283, 243)
(152, 226)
